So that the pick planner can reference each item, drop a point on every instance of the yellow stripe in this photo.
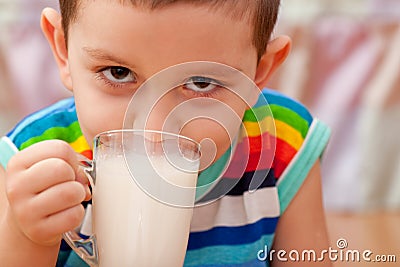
(80, 145)
(288, 134)
(254, 129)
(283, 131)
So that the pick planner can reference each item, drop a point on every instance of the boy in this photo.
(104, 51)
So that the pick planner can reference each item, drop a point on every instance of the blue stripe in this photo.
(38, 127)
(238, 235)
(270, 97)
(63, 105)
(237, 255)
(64, 246)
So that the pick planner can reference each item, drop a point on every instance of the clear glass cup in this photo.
(144, 185)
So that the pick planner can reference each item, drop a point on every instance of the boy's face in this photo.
(113, 48)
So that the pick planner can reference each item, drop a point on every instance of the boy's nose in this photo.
(161, 116)
(149, 108)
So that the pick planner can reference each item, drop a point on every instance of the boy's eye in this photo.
(201, 84)
(119, 75)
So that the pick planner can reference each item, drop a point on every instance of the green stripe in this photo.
(69, 134)
(257, 114)
(75, 261)
(291, 118)
(208, 178)
(62, 257)
(280, 113)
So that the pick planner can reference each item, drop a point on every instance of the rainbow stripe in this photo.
(58, 121)
(272, 132)
(233, 221)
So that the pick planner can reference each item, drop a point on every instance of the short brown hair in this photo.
(261, 13)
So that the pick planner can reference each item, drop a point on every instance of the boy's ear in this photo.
(51, 26)
(276, 53)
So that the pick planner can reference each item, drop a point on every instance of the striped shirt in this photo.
(241, 196)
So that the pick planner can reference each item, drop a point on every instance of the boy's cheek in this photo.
(98, 115)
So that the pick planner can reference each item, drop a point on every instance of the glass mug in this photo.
(143, 184)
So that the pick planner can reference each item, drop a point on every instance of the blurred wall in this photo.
(345, 67)
(29, 78)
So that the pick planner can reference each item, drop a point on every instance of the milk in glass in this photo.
(156, 233)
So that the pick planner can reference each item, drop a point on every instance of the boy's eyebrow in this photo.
(100, 54)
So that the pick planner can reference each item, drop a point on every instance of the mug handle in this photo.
(86, 248)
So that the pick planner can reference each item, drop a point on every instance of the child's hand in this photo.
(45, 188)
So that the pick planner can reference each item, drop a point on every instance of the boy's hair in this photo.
(262, 14)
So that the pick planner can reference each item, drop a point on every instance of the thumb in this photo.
(82, 178)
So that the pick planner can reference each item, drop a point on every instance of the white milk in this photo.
(132, 228)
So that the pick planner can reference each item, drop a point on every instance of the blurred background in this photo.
(344, 67)
(29, 78)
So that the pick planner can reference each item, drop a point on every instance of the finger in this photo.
(41, 151)
(83, 179)
(88, 193)
(58, 198)
(81, 176)
(47, 173)
(49, 230)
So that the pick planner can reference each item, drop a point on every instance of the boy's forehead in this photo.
(177, 7)
(236, 9)
(125, 15)
(147, 42)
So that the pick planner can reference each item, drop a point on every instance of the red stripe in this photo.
(260, 161)
(260, 157)
(262, 152)
(87, 153)
(284, 154)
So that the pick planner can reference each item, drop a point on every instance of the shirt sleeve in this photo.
(56, 122)
(7, 150)
(297, 171)
(300, 141)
